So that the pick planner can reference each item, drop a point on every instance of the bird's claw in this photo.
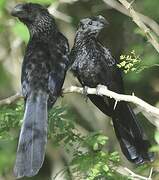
(85, 89)
(98, 88)
(61, 93)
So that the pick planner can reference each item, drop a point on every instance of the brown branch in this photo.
(11, 99)
(103, 91)
(150, 36)
(148, 21)
(127, 172)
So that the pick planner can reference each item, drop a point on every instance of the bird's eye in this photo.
(90, 23)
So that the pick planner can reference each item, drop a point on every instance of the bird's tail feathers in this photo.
(33, 136)
(132, 139)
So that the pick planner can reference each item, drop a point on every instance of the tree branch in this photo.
(150, 36)
(11, 99)
(148, 21)
(127, 172)
(103, 91)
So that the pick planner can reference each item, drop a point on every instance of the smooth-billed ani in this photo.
(43, 73)
(94, 65)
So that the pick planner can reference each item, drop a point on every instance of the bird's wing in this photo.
(111, 74)
(58, 67)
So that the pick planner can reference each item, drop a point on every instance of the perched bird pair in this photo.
(44, 68)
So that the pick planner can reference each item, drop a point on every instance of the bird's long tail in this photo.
(33, 136)
(133, 141)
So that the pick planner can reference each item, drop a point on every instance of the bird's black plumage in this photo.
(43, 72)
(94, 65)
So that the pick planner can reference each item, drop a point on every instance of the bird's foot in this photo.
(61, 93)
(99, 88)
(84, 94)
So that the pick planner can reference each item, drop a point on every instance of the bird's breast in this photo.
(88, 70)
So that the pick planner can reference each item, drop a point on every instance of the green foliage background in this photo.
(81, 144)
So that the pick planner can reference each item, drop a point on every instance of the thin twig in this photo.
(127, 172)
(151, 171)
(11, 99)
(68, 1)
(138, 177)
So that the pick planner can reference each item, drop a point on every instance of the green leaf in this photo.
(102, 139)
(95, 146)
(105, 168)
(123, 63)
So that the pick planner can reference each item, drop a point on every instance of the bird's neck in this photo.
(43, 28)
(85, 40)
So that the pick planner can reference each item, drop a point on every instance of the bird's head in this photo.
(29, 12)
(35, 16)
(92, 25)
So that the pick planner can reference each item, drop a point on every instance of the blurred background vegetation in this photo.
(121, 37)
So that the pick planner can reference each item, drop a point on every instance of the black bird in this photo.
(94, 65)
(43, 73)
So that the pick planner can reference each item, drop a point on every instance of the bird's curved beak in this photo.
(18, 9)
(103, 20)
